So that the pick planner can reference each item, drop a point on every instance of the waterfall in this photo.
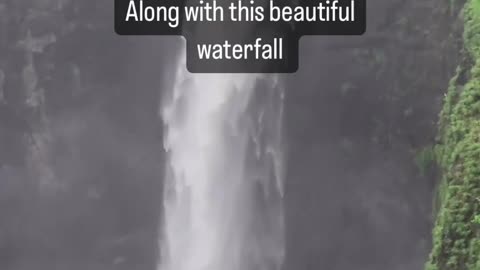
(223, 189)
(40, 140)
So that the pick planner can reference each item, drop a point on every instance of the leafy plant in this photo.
(425, 159)
(476, 219)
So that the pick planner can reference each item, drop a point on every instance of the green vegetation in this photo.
(425, 159)
(456, 236)
(476, 219)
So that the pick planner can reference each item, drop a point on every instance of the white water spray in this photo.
(223, 206)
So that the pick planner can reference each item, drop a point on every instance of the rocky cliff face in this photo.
(362, 119)
(79, 140)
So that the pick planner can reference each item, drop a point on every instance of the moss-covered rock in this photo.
(456, 236)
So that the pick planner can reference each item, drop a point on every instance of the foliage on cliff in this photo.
(456, 236)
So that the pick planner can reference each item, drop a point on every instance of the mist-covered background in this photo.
(81, 155)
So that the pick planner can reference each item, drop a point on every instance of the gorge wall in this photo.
(456, 238)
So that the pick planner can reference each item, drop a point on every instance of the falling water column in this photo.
(223, 207)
